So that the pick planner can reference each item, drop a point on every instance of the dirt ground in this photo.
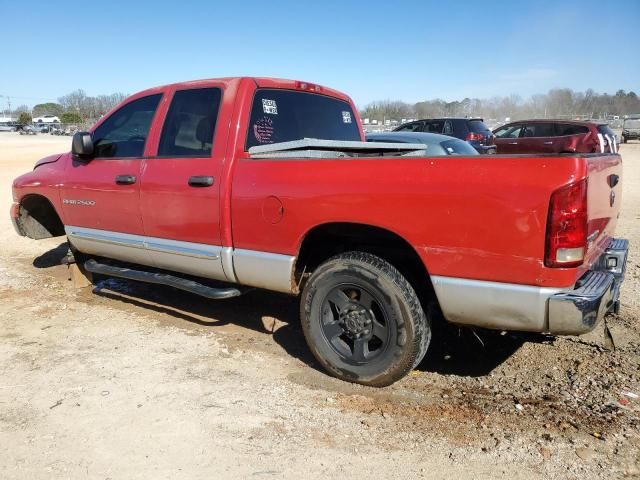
(127, 381)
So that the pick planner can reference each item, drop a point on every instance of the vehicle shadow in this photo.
(468, 352)
(453, 350)
(260, 311)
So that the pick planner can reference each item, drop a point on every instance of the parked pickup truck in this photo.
(268, 183)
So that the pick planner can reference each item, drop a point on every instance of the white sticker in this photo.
(269, 106)
(346, 117)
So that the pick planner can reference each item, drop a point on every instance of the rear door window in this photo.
(410, 127)
(434, 126)
(538, 130)
(124, 133)
(286, 115)
(570, 129)
(510, 131)
(190, 124)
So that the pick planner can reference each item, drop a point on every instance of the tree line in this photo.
(75, 107)
(78, 107)
(557, 103)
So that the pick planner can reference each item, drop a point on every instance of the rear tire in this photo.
(363, 320)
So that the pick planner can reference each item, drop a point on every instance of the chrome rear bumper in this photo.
(579, 310)
(506, 306)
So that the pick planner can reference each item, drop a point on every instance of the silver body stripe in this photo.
(249, 267)
(265, 270)
(493, 304)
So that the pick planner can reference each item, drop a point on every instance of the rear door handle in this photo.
(548, 143)
(513, 143)
(125, 179)
(200, 181)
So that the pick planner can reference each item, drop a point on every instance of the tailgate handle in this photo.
(613, 180)
(125, 179)
(200, 181)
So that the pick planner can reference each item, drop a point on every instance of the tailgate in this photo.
(604, 195)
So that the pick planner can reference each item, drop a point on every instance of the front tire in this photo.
(363, 320)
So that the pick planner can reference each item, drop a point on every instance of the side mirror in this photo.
(82, 145)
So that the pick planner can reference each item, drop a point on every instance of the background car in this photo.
(42, 128)
(472, 130)
(8, 127)
(46, 119)
(437, 145)
(555, 136)
(28, 130)
(631, 129)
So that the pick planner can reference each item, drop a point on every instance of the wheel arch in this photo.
(38, 218)
(328, 239)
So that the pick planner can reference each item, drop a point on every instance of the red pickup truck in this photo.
(268, 183)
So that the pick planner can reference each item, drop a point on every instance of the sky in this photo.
(409, 50)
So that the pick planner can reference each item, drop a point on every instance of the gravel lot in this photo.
(130, 381)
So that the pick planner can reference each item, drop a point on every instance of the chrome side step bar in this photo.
(161, 279)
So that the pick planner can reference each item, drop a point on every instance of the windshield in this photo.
(631, 123)
(286, 115)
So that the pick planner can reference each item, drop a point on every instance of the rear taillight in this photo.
(474, 136)
(567, 226)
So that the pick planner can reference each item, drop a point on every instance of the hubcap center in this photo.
(356, 322)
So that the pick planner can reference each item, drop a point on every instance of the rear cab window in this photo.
(285, 115)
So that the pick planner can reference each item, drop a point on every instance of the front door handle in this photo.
(513, 143)
(548, 143)
(200, 181)
(125, 179)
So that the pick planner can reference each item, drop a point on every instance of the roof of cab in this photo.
(261, 82)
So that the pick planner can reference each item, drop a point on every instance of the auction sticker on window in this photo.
(269, 106)
(346, 117)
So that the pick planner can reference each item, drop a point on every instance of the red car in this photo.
(555, 136)
(268, 183)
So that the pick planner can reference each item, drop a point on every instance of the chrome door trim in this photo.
(174, 248)
(272, 271)
(106, 237)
